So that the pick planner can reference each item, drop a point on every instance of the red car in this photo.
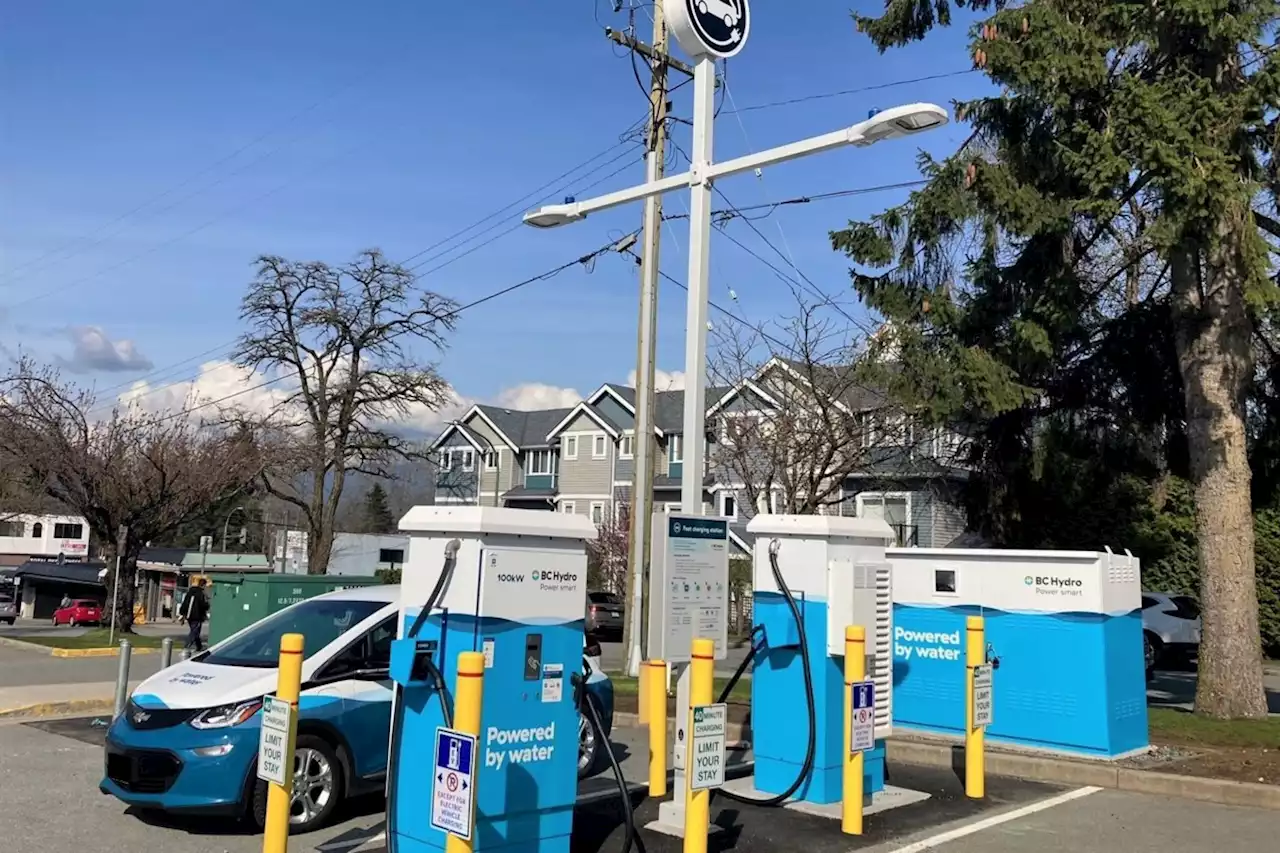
(80, 612)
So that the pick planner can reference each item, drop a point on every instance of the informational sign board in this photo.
(275, 763)
(709, 724)
(983, 704)
(453, 783)
(688, 586)
(862, 735)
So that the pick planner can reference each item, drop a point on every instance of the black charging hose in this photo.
(397, 720)
(633, 838)
(812, 747)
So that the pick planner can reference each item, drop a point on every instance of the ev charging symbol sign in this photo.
(452, 784)
(715, 29)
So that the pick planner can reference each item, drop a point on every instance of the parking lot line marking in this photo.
(995, 820)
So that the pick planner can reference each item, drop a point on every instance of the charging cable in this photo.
(587, 707)
(811, 748)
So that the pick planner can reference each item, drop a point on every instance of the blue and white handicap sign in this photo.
(453, 783)
(862, 736)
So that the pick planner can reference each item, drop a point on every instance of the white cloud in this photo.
(93, 350)
(663, 380)
(534, 395)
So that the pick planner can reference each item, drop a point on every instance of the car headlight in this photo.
(226, 715)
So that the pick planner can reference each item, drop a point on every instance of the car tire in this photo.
(73, 623)
(1152, 651)
(318, 753)
(590, 756)
(54, 620)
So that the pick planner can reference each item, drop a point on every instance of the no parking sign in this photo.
(862, 735)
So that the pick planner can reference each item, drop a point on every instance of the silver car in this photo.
(605, 613)
(8, 608)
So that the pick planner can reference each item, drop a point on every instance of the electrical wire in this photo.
(787, 102)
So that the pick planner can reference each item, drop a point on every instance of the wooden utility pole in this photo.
(644, 445)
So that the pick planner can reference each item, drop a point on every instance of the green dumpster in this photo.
(236, 601)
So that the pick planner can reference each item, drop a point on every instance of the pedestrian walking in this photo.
(195, 609)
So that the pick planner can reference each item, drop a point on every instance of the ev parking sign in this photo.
(453, 783)
(862, 735)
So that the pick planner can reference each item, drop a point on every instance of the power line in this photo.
(858, 91)
(519, 224)
(551, 273)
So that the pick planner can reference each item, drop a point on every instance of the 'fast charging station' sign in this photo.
(453, 783)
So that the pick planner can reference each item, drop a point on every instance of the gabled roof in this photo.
(584, 409)
(461, 430)
(625, 396)
(736, 390)
(522, 430)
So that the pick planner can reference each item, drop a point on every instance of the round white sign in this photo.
(715, 29)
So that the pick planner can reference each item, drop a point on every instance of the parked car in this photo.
(188, 739)
(605, 614)
(1170, 628)
(8, 609)
(80, 612)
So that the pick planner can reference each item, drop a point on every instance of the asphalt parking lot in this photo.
(51, 770)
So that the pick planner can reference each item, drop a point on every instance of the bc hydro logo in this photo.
(1050, 585)
(553, 577)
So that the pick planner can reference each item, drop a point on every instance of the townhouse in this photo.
(581, 459)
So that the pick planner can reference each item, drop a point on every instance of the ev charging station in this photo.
(511, 584)
(834, 569)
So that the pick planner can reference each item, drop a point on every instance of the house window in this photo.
(491, 460)
(37, 530)
(599, 447)
(597, 513)
(728, 505)
(676, 448)
(12, 528)
(627, 447)
(68, 531)
(894, 508)
(539, 462)
(870, 429)
(390, 555)
(446, 460)
(468, 459)
(570, 447)
(896, 431)
(568, 507)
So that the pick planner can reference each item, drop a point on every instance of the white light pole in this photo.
(708, 31)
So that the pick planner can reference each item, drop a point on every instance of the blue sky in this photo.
(395, 124)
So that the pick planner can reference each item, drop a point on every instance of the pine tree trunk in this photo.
(1213, 338)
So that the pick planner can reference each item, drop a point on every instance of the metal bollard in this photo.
(122, 678)
(166, 652)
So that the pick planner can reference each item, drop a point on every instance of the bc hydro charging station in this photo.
(510, 584)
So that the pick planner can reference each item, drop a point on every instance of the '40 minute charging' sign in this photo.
(708, 746)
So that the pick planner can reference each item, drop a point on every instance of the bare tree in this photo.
(146, 472)
(607, 553)
(802, 419)
(342, 336)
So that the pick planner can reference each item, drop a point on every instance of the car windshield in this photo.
(86, 604)
(603, 598)
(320, 621)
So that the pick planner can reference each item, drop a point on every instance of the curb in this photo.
(1068, 772)
(54, 651)
(70, 707)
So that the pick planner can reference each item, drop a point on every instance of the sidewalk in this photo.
(46, 700)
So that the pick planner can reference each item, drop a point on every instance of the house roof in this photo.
(168, 556)
(525, 493)
(591, 412)
(78, 573)
(525, 429)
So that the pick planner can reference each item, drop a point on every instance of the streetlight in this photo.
(896, 123)
(230, 516)
(707, 32)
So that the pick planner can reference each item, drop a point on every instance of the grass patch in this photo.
(625, 686)
(1178, 727)
(95, 638)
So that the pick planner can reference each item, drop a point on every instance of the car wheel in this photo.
(54, 620)
(1151, 646)
(589, 752)
(73, 623)
(317, 787)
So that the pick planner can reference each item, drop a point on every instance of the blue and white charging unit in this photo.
(1063, 631)
(835, 570)
(511, 584)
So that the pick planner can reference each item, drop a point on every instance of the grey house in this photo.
(581, 459)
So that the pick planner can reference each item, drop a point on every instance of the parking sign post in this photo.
(974, 731)
(855, 671)
(275, 749)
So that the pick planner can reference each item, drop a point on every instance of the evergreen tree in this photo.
(377, 512)
(1103, 208)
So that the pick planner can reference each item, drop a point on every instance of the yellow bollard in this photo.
(468, 694)
(697, 804)
(275, 834)
(657, 716)
(855, 670)
(974, 757)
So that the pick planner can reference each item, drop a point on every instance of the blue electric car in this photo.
(188, 740)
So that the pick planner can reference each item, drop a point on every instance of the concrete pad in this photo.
(892, 797)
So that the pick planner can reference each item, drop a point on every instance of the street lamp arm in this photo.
(892, 123)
